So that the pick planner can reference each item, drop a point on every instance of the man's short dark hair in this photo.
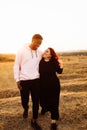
(37, 36)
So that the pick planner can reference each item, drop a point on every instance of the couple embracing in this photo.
(35, 74)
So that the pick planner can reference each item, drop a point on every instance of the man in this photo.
(26, 74)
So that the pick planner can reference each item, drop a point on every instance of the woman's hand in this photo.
(60, 63)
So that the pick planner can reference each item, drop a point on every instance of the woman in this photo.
(50, 84)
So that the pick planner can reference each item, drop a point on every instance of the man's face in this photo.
(36, 43)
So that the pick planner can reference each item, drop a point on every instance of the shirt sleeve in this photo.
(17, 66)
(58, 68)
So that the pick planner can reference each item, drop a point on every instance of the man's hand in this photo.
(18, 85)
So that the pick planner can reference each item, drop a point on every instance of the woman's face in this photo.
(47, 54)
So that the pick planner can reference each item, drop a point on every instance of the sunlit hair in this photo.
(37, 36)
(54, 55)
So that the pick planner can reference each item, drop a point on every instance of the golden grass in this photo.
(7, 57)
(73, 97)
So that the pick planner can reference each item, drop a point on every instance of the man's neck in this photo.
(31, 47)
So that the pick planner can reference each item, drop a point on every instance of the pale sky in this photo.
(62, 23)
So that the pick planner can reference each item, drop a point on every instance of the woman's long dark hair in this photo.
(54, 56)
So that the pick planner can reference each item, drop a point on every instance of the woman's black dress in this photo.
(50, 87)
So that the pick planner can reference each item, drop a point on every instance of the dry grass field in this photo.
(73, 98)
